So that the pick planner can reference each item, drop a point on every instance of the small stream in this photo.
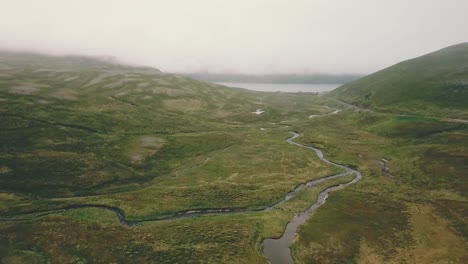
(120, 214)
(278, 251)
(275, 250)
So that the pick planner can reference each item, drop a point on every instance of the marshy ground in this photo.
(155, 144)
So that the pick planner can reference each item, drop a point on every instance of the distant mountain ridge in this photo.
(434, 83)
(275, 78)
(70, 62)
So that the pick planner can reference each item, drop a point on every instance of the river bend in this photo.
(278, 251)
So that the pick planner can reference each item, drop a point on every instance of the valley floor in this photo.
(162, 146)
(410, 213)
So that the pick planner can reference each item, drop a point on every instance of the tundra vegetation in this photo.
(80, 130)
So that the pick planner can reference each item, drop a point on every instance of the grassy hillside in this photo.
(81, 126)
(410, 207)
(79, 130)
(436, 83)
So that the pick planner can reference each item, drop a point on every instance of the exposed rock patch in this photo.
(65, 94)
(27, 89)
(384, 165)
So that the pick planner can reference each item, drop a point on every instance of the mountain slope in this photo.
(86, 131)
(436, 83)
(75, 126)
(63, 63)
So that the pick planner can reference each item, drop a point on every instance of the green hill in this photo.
(436, 84)
(79, 130)
(88, 133)
(78, 125)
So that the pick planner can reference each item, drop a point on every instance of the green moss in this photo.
(77, 147)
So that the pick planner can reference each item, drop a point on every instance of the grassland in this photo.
(156, 144)
(433, 84)
(152, 144)
(413, 212)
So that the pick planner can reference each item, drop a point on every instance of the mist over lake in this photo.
(283, 87)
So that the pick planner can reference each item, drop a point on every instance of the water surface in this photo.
(284, 87)
(278, 251)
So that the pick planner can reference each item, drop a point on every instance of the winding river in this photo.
(278, 251)
(275, 250)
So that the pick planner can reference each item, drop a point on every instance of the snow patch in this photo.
(258, 112)
(71, 78)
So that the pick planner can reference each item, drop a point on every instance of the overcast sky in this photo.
(242, 36)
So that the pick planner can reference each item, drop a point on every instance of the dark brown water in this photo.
(278, 251)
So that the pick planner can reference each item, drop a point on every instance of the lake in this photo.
(286, 87)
